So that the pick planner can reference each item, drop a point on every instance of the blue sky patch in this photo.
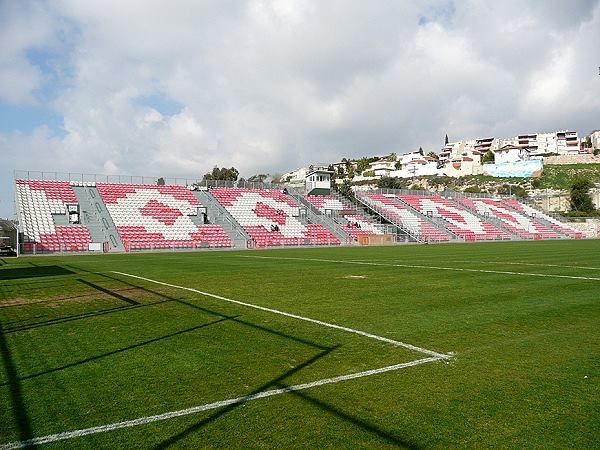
(161, 103)
(27, 118)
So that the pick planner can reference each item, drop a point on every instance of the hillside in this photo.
(555, 177)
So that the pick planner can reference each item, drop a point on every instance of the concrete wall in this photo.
(590, 228)
(571, 159)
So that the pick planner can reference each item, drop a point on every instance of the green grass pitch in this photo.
(82, 346)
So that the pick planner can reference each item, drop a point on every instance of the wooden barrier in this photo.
(376, 239)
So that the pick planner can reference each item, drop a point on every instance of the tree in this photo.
(421, 150)
(392, 157)
(581, 200)
(389, 183)
(225, 174)
(446, 140)
(346, 190)
(488, 157)
(433, 155)
(362, 164)
(258, 178)
(160, 181)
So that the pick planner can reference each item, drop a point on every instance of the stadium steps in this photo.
(315, 216)
(384, 215)
(496, 222)
(437, 222)
(97, 218)
(218, 215)
(360, 210)
(384, 225)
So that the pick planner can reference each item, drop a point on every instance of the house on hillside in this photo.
(382, 167)
(512, 153)
(558, 142)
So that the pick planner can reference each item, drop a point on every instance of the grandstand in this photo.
(519, 224)
(460, 222)
(354, 222)
(151, 216)
(77, 216)
(271, 218)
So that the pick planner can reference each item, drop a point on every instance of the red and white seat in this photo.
(357, 225)
(326, 202)
(402, 216)
(360, 226)
(458, 220)
(151, 216)
(37, 202)
(258, 211)
(554, 223)
(515, 222)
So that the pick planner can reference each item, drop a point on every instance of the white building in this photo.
(415, 165)
(511, 153)
(559, 142)
(382, 167)
(318, 181)
(464, 157)
(594, 137)
(295, 177)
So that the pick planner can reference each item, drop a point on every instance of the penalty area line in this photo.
(419, 266)
(220, 404)
(295, 316)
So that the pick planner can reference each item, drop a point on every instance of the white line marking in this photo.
(417, 266)
(196, 409)
(514, 263)
(294, 316)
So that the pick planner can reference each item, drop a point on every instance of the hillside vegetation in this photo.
(560, 177)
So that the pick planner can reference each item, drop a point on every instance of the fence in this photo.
(138, 179)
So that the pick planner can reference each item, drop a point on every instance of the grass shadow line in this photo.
(108, 292)
(209, 311)
(275, 382)
(16, 393)
(124, 349)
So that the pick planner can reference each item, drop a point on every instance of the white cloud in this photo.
(24, 26)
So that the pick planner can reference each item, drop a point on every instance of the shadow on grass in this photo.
(338, 413)
(33, 272)
(85, 315)
(124, 349)
(16, 394)
(108, 292)
(273, 383)
(209, 311)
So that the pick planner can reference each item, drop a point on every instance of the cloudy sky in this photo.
(173, 88)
